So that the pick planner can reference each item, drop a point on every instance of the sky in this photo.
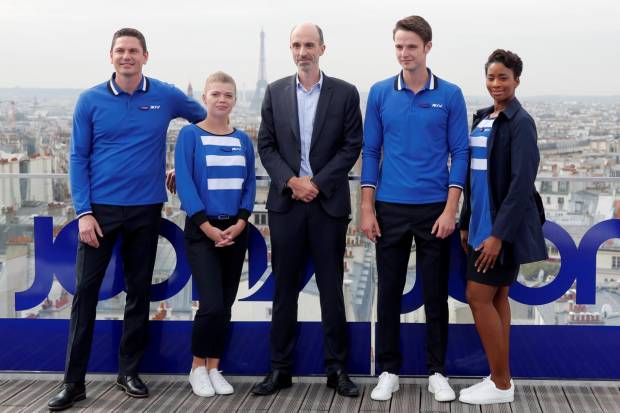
(568, 47)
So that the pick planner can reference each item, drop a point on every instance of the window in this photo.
(615, 262)
(560, 202)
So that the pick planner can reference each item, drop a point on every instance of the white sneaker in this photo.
(439, 386)
(201, 385)
(219, 383)
(388, 384)
(470, 388)
(485, 392)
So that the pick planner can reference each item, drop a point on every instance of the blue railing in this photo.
(561, 337)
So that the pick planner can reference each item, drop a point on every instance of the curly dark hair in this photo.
(509, 59)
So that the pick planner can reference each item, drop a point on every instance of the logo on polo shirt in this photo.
(150, 107)
(437, 105)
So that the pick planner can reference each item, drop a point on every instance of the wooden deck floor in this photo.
(307, 395)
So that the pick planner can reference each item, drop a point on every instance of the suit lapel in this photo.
(321, 110)
(291, 96)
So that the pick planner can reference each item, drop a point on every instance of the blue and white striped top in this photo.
(480, 224)
(215, 174)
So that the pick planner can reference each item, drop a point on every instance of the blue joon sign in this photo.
(56, 258)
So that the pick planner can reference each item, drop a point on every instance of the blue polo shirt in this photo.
(118, 145)
(408, 138)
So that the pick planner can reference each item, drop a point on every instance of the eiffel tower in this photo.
(261, 83)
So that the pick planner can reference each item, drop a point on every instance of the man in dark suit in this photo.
(310, 137)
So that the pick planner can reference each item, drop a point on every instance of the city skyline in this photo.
(66, 45)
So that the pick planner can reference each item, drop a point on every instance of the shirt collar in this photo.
(316, 85)
(116, 90)
(399, 83)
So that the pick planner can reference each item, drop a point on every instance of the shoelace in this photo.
(443, 383)
(383, 379)
(217, 377)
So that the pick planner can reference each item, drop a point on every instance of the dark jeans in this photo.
(400, 224)
(303, 231)
(216, 272)
(139, 228)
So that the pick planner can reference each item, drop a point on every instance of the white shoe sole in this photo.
(490, 401)
(441, 399)
(381, 399)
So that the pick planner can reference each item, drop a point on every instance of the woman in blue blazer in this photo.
(501, 226)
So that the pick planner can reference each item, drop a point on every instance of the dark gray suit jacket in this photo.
(334, 149)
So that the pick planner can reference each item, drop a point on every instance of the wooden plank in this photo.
(581, 399)
(496, 408)
(526, 400)
(406, 399)
(342, 404)
(132, 404)
(40, 403)
(318, 399)
(370, 405)
(105, 402)
(552, 399)
(290, 400)
(429, 404)
(458, 407)
(607, 397)
(254, 403)
(32, 392)
(232, 402)
(13, 388)
(93, 391)
(171, 398)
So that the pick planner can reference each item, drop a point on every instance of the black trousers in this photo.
(306, 230)
(216, 272)
(399, 225)
(139, 228)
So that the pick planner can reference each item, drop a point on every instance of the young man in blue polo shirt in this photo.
(117, 174)
(414, 122)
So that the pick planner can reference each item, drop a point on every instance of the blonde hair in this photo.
(221, 77)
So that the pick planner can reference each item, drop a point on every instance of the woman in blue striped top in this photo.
(500, 221)
(216, 182)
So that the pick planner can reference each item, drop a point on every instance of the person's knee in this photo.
(475, 299)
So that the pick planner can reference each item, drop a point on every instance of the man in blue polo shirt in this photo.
(117, 174)
(414, 123)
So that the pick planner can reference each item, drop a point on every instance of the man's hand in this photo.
(171, 182)
(490, 248)
(369, 224)
(464, 236)
(445, 224)
(233, 231)
(303, 188)
(216, 235)
(88, 228)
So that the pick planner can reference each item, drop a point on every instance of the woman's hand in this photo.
(464, 236)
(490, 250)
(233, 231)
(216, 235)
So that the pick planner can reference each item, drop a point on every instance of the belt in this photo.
(220, 217)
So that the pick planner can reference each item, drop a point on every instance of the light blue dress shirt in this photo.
(307, 101)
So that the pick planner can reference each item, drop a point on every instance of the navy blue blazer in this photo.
(334, 149)
(513, 159)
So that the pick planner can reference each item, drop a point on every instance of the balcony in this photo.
(566, 312)
(307, 395)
